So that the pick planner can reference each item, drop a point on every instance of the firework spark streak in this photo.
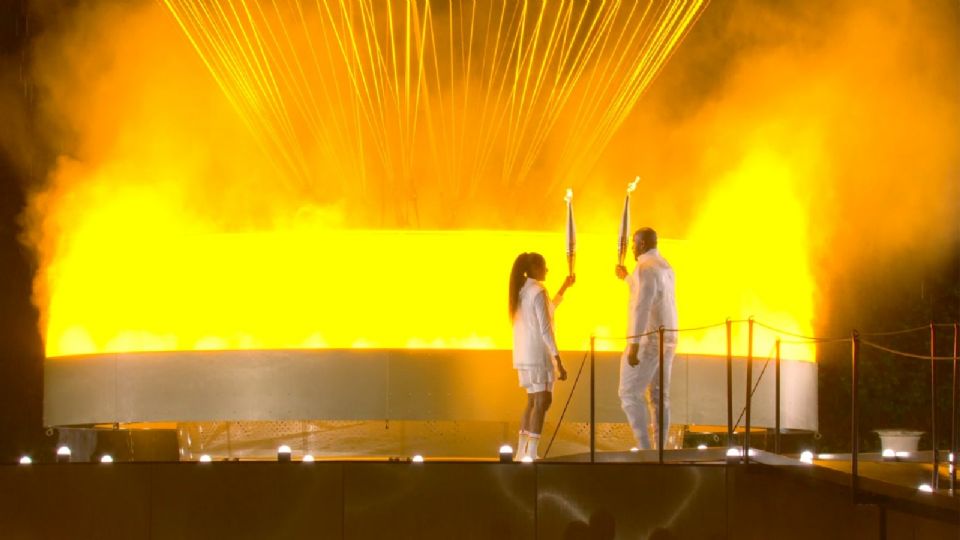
(431, 96)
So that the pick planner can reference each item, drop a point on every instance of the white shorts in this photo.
(536, 380)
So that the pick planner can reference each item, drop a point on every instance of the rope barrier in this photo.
(652, 333)
(567, 404)
(906, 354)
(756, 385)
(896, 332)
(792, 334)
(824, 341)
(802, 340)
(808, 339)
(696, 328)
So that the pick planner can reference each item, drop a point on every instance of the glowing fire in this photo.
(325, 290)
(168, 230)
(138, 278)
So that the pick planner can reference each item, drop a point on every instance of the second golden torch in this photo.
(625, 224)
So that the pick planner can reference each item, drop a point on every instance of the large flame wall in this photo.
(164, 225)
(386, 289)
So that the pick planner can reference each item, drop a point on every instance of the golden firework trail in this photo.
(392, 99)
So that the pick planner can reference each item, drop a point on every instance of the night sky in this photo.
(21, 349)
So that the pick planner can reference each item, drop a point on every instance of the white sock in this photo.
(532, 443)
(522, 445)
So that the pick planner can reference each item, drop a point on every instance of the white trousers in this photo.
(640, 388)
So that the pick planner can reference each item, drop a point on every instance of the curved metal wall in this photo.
(361, 384)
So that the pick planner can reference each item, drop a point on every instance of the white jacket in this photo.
(652, 301)
(534, 342)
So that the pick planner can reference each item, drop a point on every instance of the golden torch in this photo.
(571, 233)
(625, 223)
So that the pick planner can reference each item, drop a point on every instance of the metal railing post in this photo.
(935, 480)
(776, 408)
(854, 415)
(746, 422)
(953, 412)
(593, 388)
(661, 429)
(729, 383)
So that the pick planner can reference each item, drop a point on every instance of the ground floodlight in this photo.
(806, 457)
(701, 446)
(283, 454)
(903, 454)
(205, 458)
(106, 458)
(888, 454)
(634, 449)
(734, 455)
(308, 458)
(417, 459)
(526, 459)
(25, 460)
(63, 454)
(925, 488)
(506, 454)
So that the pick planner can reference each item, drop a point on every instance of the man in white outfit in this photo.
(652, 305)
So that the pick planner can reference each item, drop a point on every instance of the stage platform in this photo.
(545, 500)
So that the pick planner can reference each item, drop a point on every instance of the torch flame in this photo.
(633, 185)
(569, 196)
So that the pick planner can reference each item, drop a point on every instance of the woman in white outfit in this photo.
(534, 344)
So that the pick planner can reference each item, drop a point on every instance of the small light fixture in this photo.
(734, 455)
(826, 456)
(63, 454)
(283, 454)
(903, 455)
(950, 457)
(25, 460)
(806, 457)
(925, 488)
(308, 458)
(506, 454)
(205, 458)
(888, 454)
(701, 446)
(417, 459)
(526, 459)
(106, 458)
(634, 449)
